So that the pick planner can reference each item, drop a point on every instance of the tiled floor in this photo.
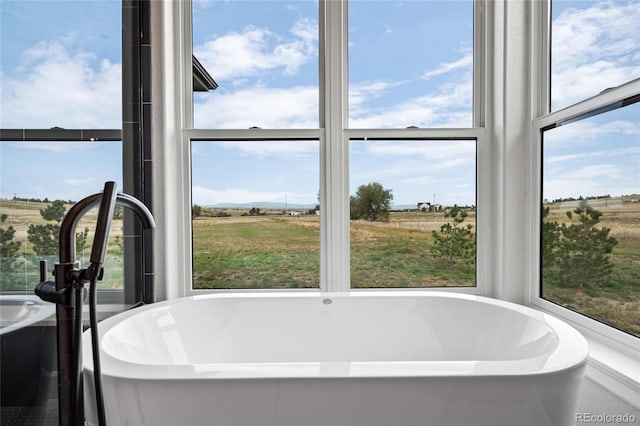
(46, 415)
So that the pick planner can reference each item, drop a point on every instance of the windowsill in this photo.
(614, 370)
(611, 364)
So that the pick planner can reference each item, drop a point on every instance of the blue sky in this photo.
(410, 64)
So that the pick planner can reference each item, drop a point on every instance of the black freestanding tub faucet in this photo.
(68, 292)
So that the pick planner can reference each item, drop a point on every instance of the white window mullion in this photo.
(334, 193)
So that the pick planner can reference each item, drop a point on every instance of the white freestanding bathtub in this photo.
(370, 358)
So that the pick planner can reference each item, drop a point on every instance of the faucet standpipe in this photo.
(68, 293)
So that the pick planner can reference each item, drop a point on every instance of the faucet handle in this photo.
(43, 270)
(46, 290)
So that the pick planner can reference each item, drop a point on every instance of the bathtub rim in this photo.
(44, 311)
(571, 352)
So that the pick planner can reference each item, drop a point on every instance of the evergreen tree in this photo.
(9, 250)
(44, 238)
(455, 242)
(81, 243)
(8, 247)
(583, 249)
(550, 247)
(54, 211)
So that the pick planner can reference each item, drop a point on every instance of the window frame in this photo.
(334, 136)
(613, 358)
(229, 135)
(482, 181)
(539, 125)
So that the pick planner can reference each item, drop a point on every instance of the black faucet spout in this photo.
(67, 239)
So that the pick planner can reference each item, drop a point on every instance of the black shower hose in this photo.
(95, 348)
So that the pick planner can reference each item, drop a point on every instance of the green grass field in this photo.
(255, 252)
(283, 252)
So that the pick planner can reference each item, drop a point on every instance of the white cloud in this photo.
(357, 91)
(360, 92)
(57, 87)
(464, 63)
(243, 56)
(277, 108)
(240, 54)
(448, 106)
(594, 49)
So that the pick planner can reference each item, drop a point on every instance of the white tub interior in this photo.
(329, 329)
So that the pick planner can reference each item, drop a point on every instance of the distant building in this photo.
(424, 206)
(428, 207)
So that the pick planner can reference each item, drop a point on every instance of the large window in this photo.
(298, 128)
(255, 213)
(591, 216)
(427, 237)
(61, 103)
(589, 231)
(256, 216)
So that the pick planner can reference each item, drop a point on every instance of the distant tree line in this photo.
(580, 198)
(38, 200)
(198, 211)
